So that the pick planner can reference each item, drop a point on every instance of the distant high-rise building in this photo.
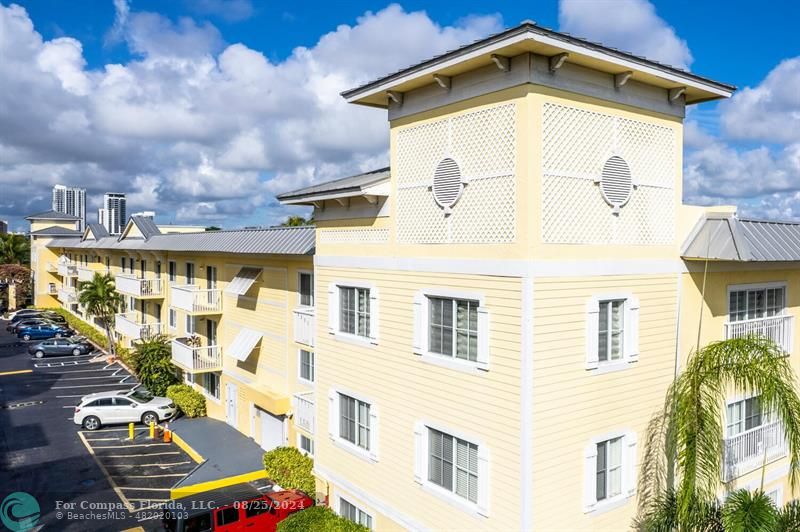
(3, 227)
(112, 215)
(145, 214)
(70, 200)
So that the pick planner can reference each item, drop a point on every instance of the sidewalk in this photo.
(224, 452)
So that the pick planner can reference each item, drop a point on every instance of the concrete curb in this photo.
(186, 491)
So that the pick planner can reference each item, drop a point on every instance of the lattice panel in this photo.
(354, 236)
(576, 144)
(483, 144)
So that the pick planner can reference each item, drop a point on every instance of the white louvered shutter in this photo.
(589, 477)
(420, 452)
(483, 337)
(616, 183)
(333, 414)
(483, 480)
(374, 315)
(374, 432)
(419, 323)
(333, 308)
(592, 322)
(632, 344)
(631, 464)
(447, 184)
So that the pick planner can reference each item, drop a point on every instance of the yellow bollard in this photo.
(152, 430)
(130, 431)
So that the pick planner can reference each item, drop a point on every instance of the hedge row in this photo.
(318, 518)
(290, 469)
(191, 402)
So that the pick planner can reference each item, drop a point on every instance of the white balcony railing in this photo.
(747, 451)
(196, 359)
(304, 325)
(52, 267)
(85, 274)
(129, 324)
(134, 286)
(779, 329)
(190, 298)
(303, 404)
(67, 295)
(67, 268)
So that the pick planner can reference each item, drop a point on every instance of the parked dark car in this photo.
(55, 318)
(61, 346)
(19, 317)
(37, 332)
(27, 322)
(24, 312)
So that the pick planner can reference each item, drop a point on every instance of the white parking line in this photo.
(153, 465)
(82, 371)
(142, 489)
(152, 476)
(68, 396)
(126, 446)
(92, 385)
(102, 439)
(89, 378)
(135, 455)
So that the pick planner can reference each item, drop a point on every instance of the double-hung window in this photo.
(744, 415)
(306, 362)
(453, 328)
(754, 303)
(453, 464)
(611, 330)
(173, 318)
(172, 269)
(354, 311)
(355, 514)
(306, 288)
(305, 444)
(211, 384)
(189, 273)
(354, 421)
(609, 469)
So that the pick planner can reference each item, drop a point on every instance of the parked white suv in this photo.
(125, 406)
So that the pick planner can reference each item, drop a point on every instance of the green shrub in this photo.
(190, 401)
(153, 361)
(290, 469)
(318, 519)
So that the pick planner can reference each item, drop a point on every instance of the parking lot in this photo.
(67, 469)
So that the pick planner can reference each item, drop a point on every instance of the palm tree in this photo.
(296, 221)
(14, 249)
(682, 465)
(100, 298)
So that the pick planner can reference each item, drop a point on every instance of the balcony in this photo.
(139, 288)
(67, 295)
(67, 268)
(196, 359)
(747, 451)
(129, 324)
(304, 326)
(194, 300)
(52, 267)
(85, 274)
(303, 405)
(779, 329)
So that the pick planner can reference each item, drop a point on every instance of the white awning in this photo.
(240, 284)
(243, 344)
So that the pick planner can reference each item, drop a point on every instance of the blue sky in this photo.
(204, 109)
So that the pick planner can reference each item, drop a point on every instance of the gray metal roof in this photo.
(271, 241)
(98, 230)
(146, 226)
(726, 237)
(52, 215)
(55, 230)
(354, 183)
(531, 27)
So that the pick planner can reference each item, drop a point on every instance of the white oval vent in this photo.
(447, 184)
(616, 184)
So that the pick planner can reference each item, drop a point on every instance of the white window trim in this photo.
(355, 501)
(422, 325)
(217, 400)
(313, 291)
(175, 276)
(631, 321)
(299, 448)
(334, 312)
(370, 455)
(194, 272)
(758, 286)
(172, 312)
(630, 462)
(300, 367)
(421, 454)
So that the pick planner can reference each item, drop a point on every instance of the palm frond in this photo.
(749, 512)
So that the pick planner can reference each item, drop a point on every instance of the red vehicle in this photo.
(238, 508)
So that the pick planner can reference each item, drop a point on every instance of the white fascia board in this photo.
(371, 191)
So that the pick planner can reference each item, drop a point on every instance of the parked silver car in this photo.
(122, 406)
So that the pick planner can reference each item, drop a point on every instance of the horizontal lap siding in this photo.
(571, 405)
(407, 390)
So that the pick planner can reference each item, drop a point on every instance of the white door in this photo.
(231, 393)
(271, 431)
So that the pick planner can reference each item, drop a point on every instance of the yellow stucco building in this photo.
(487, 325)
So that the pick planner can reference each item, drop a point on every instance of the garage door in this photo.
(271, 430)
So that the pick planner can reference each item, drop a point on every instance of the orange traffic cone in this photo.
(167, 434)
